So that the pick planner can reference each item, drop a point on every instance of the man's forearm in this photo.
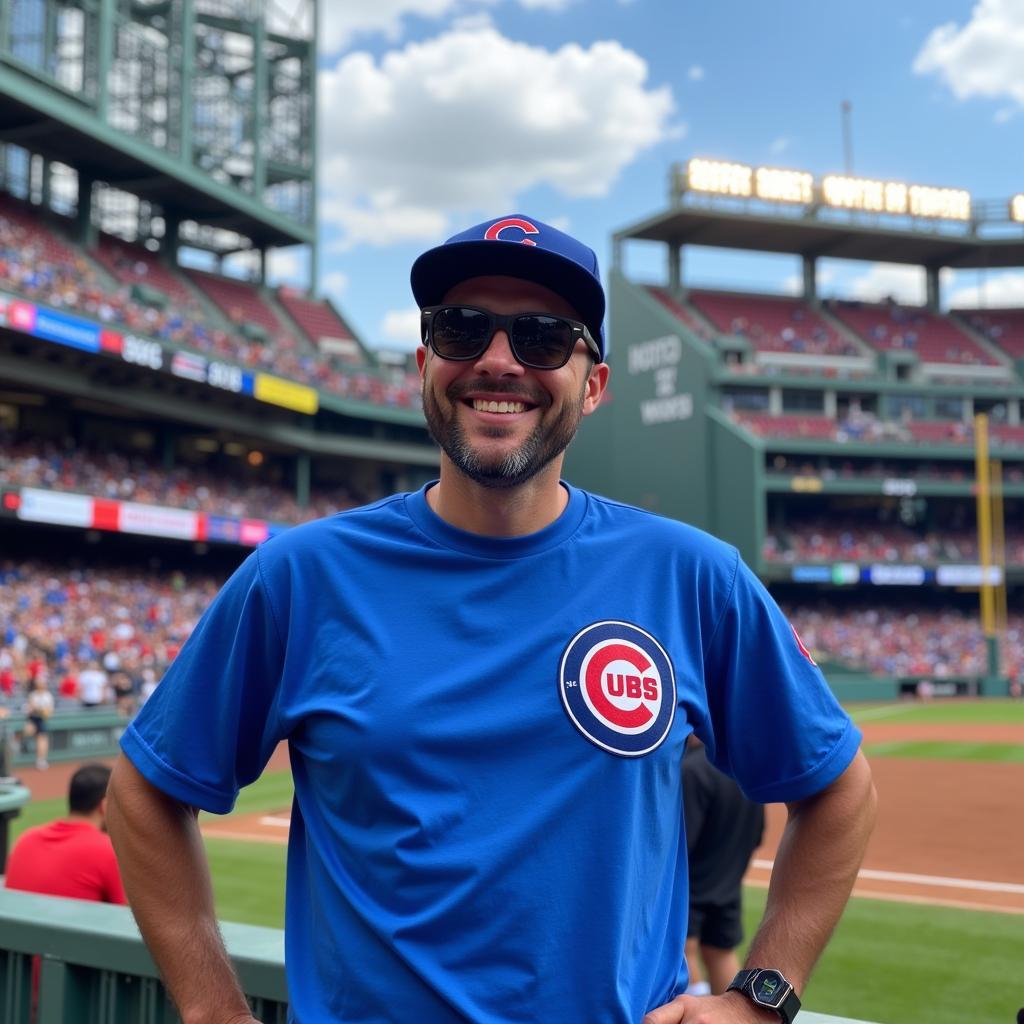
(815, 867)
(167, 880)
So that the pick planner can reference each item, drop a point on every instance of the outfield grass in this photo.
(1004, 753)
(976, 712)
(900, 963)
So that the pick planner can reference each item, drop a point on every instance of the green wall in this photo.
(648, 443)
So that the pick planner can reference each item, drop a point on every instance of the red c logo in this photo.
(640, 715)
(495, 230)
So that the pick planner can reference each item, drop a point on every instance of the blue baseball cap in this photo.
(516, 246)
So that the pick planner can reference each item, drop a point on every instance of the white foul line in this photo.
(270, 819)
(938, 881)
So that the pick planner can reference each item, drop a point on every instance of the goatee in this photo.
(545, 442)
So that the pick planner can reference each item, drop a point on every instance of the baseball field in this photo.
(935, 931)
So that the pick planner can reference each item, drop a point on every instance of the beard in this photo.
(544, 443)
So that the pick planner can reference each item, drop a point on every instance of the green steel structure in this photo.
(164, 121)
(683, 430)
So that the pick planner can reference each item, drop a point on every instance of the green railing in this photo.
(12, 798)
(94, 968)
(74, 735)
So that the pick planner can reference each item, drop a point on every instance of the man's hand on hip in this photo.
(730, 1008)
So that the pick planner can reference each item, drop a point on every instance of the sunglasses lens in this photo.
(458, 332)
(542, 341)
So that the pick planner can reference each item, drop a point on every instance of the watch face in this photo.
(769, 988)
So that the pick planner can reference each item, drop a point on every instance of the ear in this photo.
(421, 359)
(595, 387)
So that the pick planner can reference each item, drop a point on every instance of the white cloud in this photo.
(469, 120)
(794, 283)
(335, 283)
(905, 284)
(346, 19)
(1001, 291)
(546, 5)
(779, 146)
(402, 327)
(982, 58)
(696, 73)
(1004, 114)
(287, 266)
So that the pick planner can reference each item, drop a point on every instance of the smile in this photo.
(482, 405)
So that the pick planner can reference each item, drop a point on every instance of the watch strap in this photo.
(786, 1010)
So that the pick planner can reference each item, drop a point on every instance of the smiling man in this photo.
(486, 687)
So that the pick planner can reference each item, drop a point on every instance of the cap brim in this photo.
(438, 270)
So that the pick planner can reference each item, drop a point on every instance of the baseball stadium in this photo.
(164, 410)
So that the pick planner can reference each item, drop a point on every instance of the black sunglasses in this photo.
(540, 341)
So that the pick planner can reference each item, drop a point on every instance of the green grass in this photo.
(1005, 753)
(898, 963)
(976, 712)
(248, 881)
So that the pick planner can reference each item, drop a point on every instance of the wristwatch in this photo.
(768, 989)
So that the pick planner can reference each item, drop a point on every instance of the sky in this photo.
(438, 114)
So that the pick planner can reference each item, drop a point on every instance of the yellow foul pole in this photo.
(984, 501)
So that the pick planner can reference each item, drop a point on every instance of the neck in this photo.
(95, 819)
(498, 512)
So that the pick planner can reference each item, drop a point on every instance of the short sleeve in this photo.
(776, 726)
(211, 725)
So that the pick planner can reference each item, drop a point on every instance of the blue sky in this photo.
(436, 114)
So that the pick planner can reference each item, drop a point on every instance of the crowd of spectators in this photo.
(901, 641)
(104, 637)
(885, 469)
(114, 475)
(99, 637)
(34, 264)
(828, 539)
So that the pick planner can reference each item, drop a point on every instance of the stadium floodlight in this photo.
(721, 178)
(854, 193)
(895, 197)
(944, 203)
(783, 186)
(1017, 207)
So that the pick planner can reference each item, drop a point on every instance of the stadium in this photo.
(163, 410)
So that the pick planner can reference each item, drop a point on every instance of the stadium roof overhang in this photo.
(55, 126)
(824, 233)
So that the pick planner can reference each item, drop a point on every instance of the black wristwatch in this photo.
(768, 989)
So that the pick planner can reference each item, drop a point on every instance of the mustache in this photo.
(460, 388)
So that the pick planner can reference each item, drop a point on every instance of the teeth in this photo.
(482, 406)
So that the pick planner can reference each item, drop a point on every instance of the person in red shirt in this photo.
(71, 857)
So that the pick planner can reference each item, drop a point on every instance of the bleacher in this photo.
(680, 311)
(766, 425)
(40, 262)
(934, 338)
(1003, 327)
(772, 324)
(134, 264)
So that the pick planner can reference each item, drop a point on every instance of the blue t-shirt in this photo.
(486, 737)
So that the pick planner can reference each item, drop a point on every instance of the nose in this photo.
(497, 359)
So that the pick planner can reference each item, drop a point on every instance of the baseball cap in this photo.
(516, 246)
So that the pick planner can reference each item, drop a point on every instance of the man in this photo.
(71, 857)
(486, 687)
(723, 828)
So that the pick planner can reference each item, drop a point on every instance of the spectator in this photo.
(71, 857)
(723, 828)
(93, 686)
(38, 709)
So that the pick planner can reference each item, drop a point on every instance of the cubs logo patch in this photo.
(493, 233)
(618, 687)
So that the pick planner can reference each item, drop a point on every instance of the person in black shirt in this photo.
(723, 828)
